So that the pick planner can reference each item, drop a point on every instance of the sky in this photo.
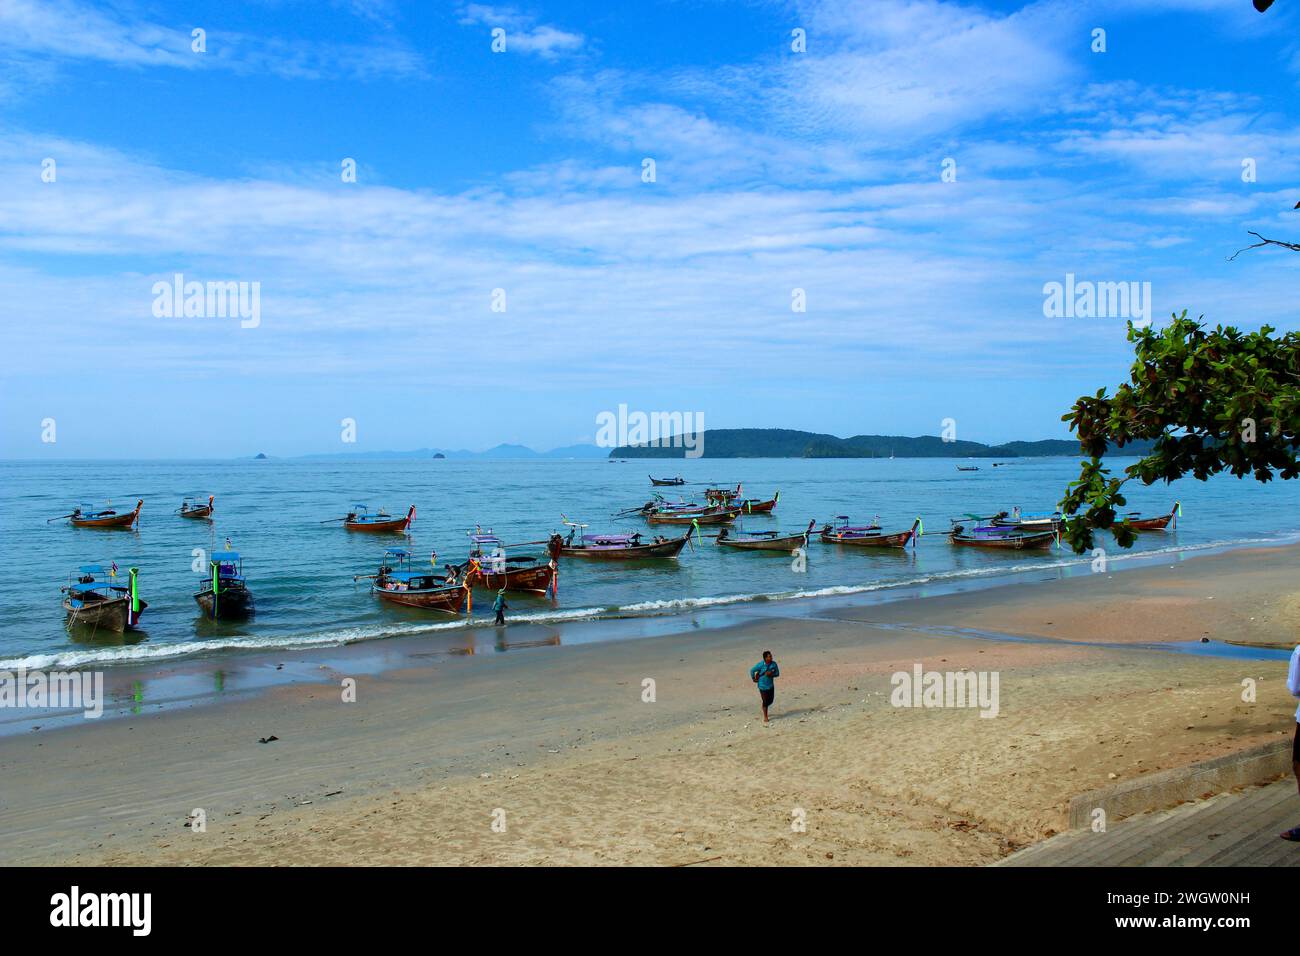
(916, 172)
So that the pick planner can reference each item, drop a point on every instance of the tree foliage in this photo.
(1213, 400)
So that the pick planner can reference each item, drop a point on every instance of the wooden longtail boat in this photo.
(614, 547)
(396, 583)
(360, 519)
(190, 509)
(661, 482)
(992, 536)
(1027, 522)
(1138, 523)
(756, 506)
(95, 602)
(225, 594)
(488, 566)
(873, 537)
(721, 496)
(86, 516)
(765, 540)
(830, 532)
(709, 516)
(968, 468)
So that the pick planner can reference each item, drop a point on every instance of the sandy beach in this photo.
(550, 755)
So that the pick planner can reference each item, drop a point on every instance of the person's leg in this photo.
(1294, 833)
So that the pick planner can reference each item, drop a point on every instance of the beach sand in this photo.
(558, 744)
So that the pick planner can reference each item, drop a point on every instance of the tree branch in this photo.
(1293, 246)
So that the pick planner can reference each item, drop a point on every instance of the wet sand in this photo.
(558, 744)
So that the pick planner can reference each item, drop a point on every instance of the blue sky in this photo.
(521, 171)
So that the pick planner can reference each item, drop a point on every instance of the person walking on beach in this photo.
(500, 605)
(762, 674)
(1293, 685)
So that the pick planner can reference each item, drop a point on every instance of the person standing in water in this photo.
(1293, 685)
(500, 605)
(763, 674)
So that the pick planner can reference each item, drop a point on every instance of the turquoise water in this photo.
(301, 570)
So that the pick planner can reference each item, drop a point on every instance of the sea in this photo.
(300, 564)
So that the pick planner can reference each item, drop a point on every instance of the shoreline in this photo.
(186, 677)
(555, 739)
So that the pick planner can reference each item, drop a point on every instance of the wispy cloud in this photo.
(523, 33)
(69, 30)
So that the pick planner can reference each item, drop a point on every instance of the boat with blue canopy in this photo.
(225, 594)
(398, 583)
(94, 599)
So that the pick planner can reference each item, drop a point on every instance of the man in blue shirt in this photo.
(762, 674)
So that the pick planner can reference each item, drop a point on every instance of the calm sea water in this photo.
(301, 570)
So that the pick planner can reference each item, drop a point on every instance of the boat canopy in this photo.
(224, 557)
(484, 539)
(397, 552)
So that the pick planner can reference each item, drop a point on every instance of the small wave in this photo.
(157, 652)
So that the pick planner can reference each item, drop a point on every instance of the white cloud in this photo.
(523, 33)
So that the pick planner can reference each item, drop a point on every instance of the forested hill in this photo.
(789, 443)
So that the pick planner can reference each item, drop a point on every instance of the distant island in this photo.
(789, 443)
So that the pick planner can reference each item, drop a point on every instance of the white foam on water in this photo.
(155, 652)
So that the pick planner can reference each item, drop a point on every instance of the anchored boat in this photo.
(614, 547)
(360, 519)
(871, 536)
(993, 536)
(96, 602)
(489, 566)
(679, 480)
(191, 508)
(397, 583)
(89, 516)
(764, 540)
(225, 595)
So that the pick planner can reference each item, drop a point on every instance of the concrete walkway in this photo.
(1231, 829)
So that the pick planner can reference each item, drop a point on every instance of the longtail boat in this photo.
(872, 537)
(721, 496)
(708, 516)
(1042, 521)
(968, 468)
(831, 532)
(993, 536)
(88, 516)
(396, 583)
(97, 603)
(757, 506)
(225, 594)
(614, 547)
(489, 566)
(765, 540)
(191, 508)
(1138, 523)
(667, 481)
(360, 519)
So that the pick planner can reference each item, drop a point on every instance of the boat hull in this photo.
(125, 520)
(112, 615)
(662, 549)
(1151, 524)
(536, 577)
(450, 600)
(379, 527)
(708, 517)
(1011, 542)
(787, 543)
(667, 482)
(899, 539)
(235, 603)
(204, 512)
